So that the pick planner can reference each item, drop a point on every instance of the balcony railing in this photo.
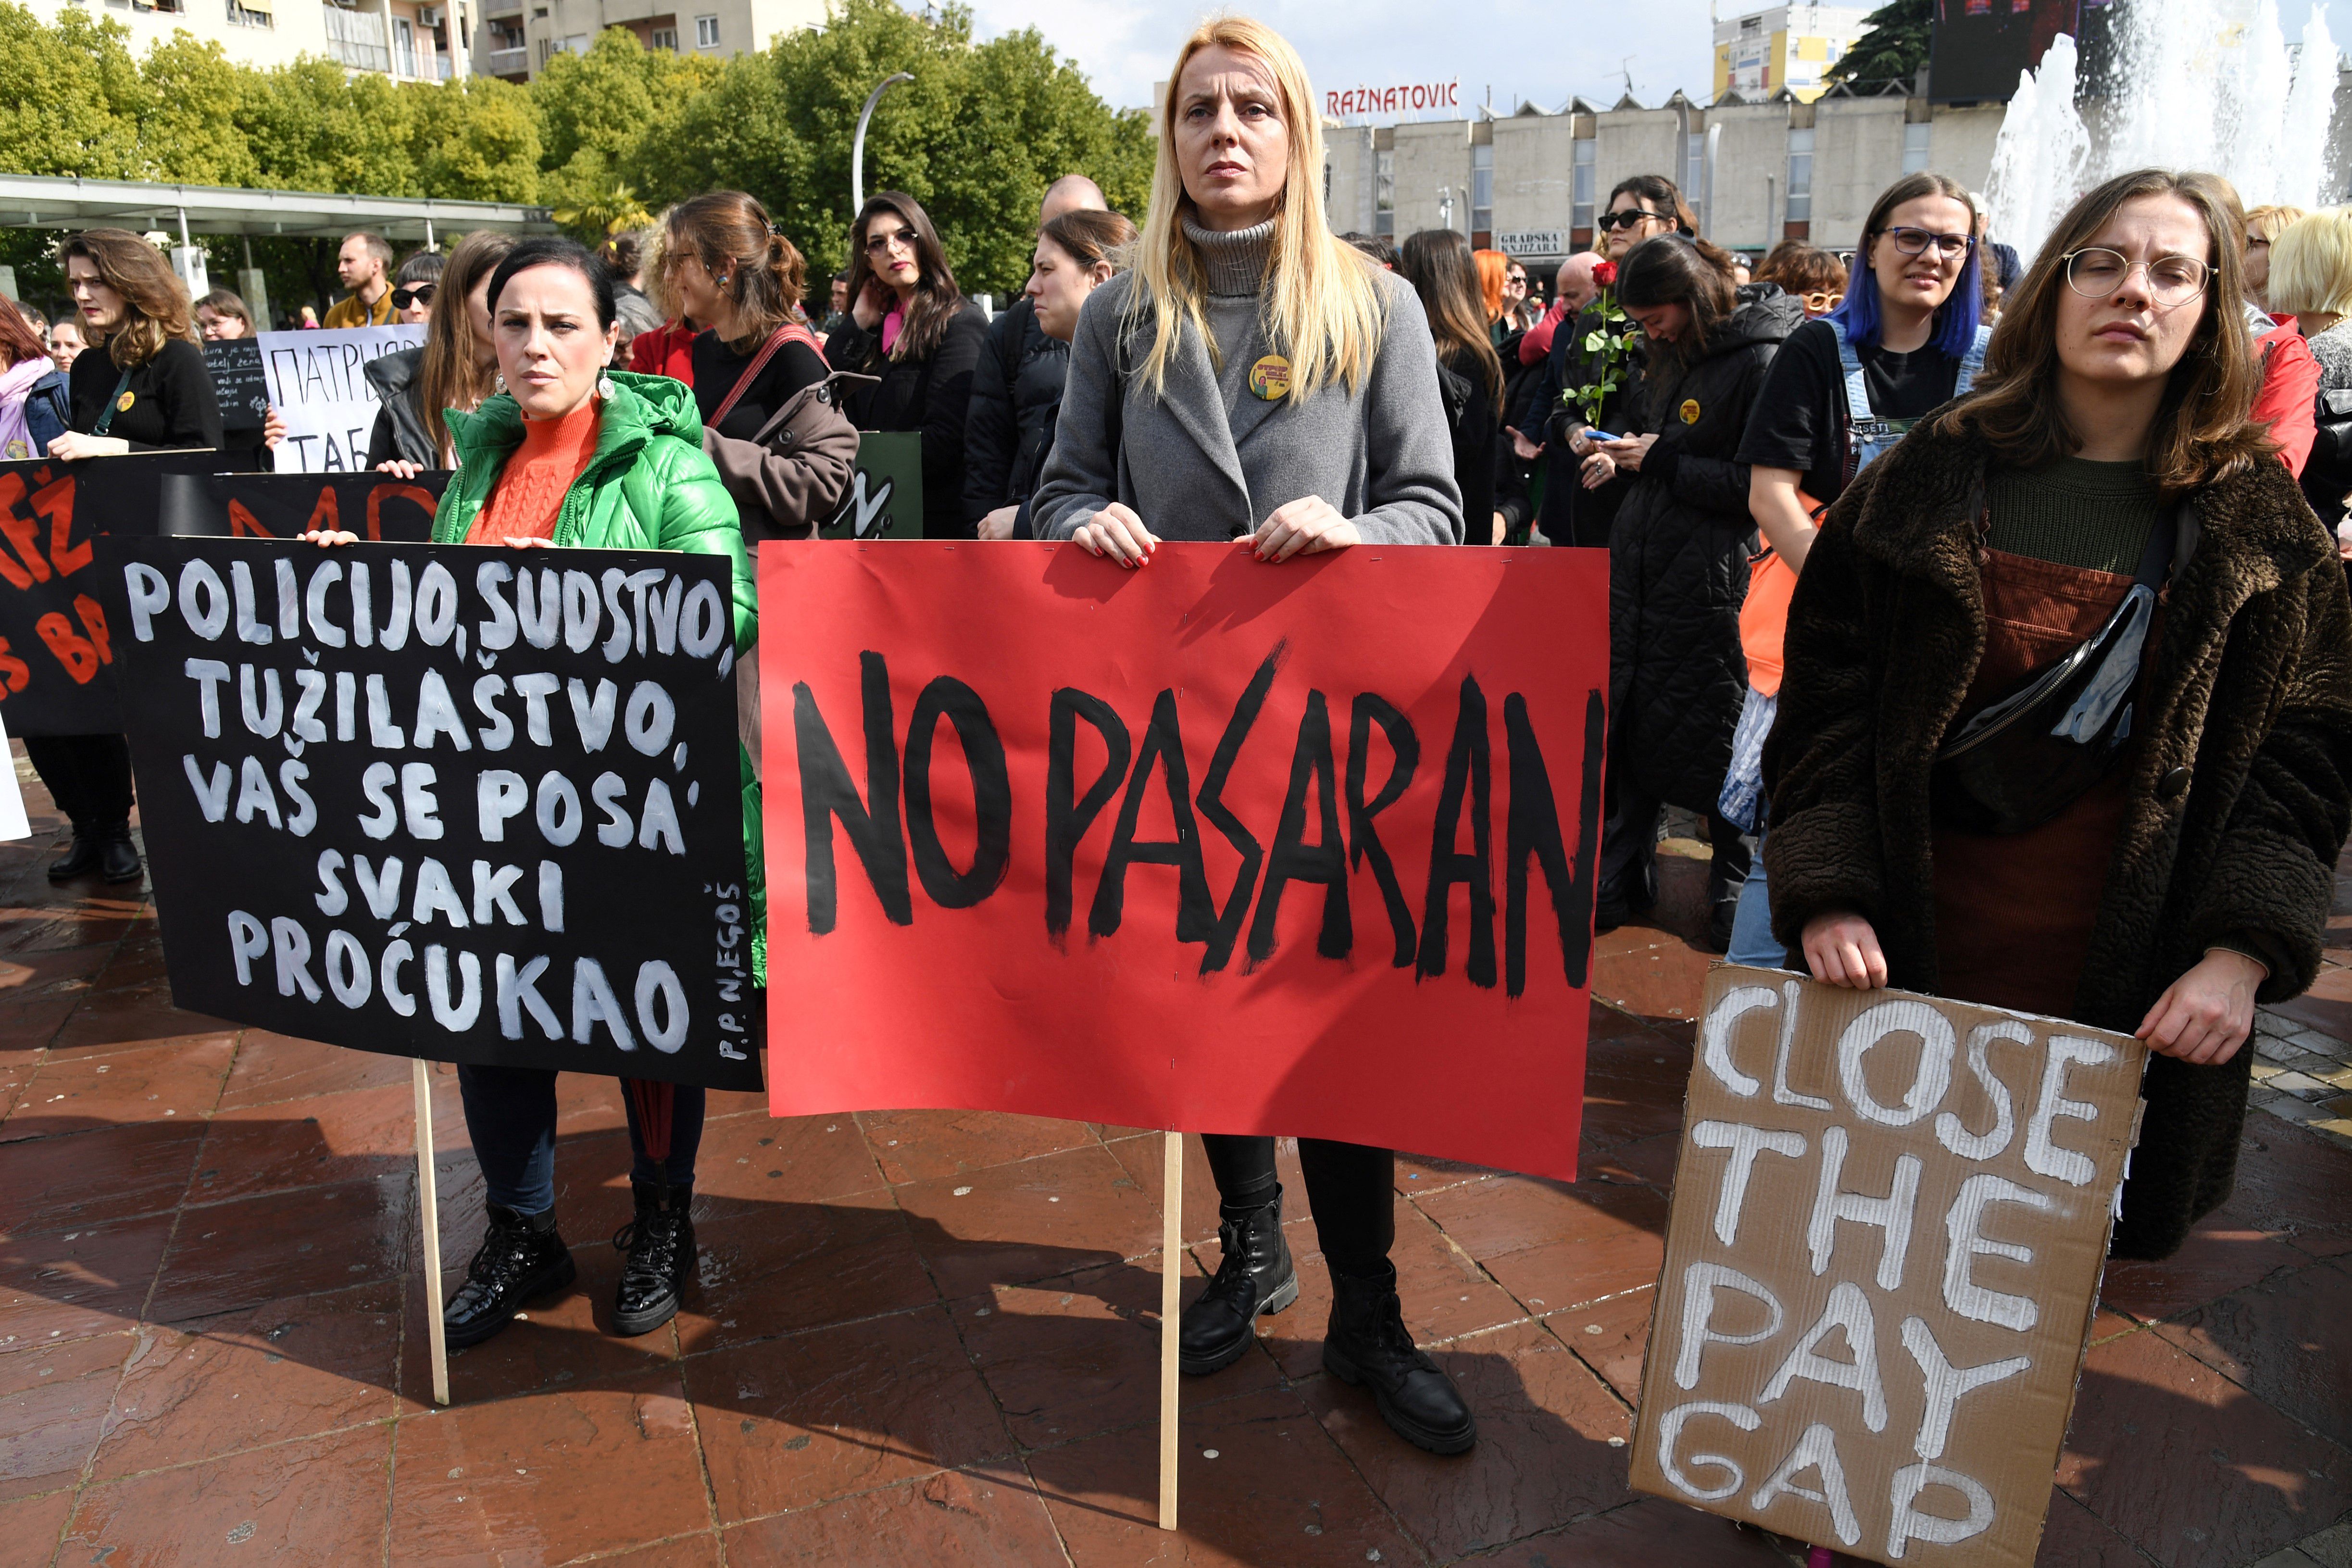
(356, 39)
(502, 8)
(506, 62)
(360, 57)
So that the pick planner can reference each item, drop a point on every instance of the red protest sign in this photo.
(1215, 845)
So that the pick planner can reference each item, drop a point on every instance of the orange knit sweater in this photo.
(530, 493)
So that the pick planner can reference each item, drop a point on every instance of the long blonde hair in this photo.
(1321, 309)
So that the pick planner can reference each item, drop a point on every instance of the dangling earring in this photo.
(604, 387)
(498, 381)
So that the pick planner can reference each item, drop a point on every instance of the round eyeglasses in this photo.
(2096, 272)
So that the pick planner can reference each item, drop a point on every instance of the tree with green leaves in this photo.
(976, 137)
(601, 136)
(1893, 46)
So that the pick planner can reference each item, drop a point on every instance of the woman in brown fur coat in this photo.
(2185, 870)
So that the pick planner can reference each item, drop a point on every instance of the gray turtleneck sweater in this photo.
(1235, 263)
(1206, 458)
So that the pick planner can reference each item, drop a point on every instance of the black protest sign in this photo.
(379, 508)
(57, 627)
(239, 383)
(474, 806)
(886, 491)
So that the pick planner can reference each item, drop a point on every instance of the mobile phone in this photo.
(1601, 436)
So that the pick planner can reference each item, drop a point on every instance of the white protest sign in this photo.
(1891, 1213)
(318, 386)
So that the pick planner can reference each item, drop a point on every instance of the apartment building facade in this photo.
(413, 40)
(1788, 46)
(434, 40)
(518, 37)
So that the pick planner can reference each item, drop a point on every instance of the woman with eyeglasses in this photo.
(1584, 403)
(911, 326)
(455, 368)
(2067, 724)
(1906, 338)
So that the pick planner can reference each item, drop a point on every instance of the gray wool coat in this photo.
(1381, 456)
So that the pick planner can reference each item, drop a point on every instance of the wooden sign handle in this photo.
(1171, 1281)
(428, 1205)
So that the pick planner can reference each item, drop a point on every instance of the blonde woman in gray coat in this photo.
(1252, 379)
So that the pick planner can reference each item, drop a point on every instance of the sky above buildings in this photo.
(1542, 51)
(1521, 49)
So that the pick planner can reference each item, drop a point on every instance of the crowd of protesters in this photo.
(1862, 511)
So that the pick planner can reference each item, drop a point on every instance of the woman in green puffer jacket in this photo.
(571, 454)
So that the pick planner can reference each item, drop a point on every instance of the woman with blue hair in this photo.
(1908, 338)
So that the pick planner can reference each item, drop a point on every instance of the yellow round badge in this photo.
(1690, 410)
(124, 402)
(1270, 378)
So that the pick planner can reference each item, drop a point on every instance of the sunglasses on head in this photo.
(422, 294)
(1628, 218)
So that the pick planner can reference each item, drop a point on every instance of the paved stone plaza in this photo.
(931, 1337)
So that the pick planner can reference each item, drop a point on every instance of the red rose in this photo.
(1605, 274)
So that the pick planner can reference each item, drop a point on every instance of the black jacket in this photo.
(1473, 450)
(931, 395)
(1572, 514)
(172, 399)
(399, 430)
(1678, 567)
(1016, 396)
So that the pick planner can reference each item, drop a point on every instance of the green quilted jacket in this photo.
(649, 487)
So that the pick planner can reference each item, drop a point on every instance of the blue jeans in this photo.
(1752, 942)
(510, 1114)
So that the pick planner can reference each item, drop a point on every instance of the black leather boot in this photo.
(1368, 1343)
(660, 1246)
(521, 1260)
(80, 859)
(1255, 1277)
(118, 858)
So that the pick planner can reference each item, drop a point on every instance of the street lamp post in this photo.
(857, 147)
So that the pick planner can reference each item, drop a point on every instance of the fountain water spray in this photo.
(2195, 84)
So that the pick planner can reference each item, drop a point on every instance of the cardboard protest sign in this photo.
(1215, 845)
(1890, 1217)
(57, 633)
(240, 385)
(317, 383)
(378, 508)
(886, 489)
(474, 806)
